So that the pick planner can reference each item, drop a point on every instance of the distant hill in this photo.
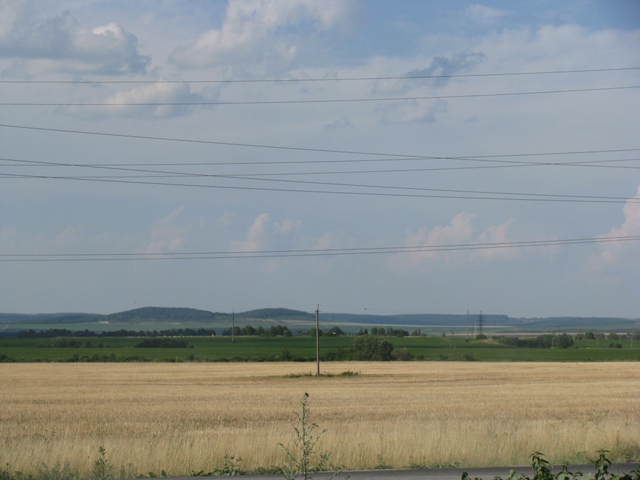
(160, 315)
(271, 313)
(45, 318)
(155, 315)
(577, 322)
(425, 319)
(490, 320)
(191, 316)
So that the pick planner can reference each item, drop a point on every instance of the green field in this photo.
(302, 348)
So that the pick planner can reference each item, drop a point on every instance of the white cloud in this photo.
(443, 67)
(561, 47)
(59, 44)
(166, 235)
(123, 104)
(484, 15)
(461, 231)
(263, 232)
(10, 13)
(287, 226)
(622, 254)
(262, 29)
(256, 237)
(343, 123)
(412, 111)
(332, 240)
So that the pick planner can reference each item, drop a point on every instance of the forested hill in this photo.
(426, 319)
(207, 319)
(161, 314)
(155, 315)
(269, 313)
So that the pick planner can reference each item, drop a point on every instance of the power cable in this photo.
(257, 177)
(469, 194)
(213, 255)
(397, 156)
(333, 184)
(334, 79)
(583, 163)
(298, 102)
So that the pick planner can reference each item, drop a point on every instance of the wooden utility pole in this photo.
(318, 340)
(233, 327)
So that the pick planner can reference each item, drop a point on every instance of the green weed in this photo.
(102, 469)
(303, 457)
(542, 470)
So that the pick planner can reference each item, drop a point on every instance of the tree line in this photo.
(62, 332)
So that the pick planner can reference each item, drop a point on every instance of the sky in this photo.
(360, 156)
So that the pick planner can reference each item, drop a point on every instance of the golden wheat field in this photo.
(187, 417)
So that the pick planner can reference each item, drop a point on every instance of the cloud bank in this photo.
(60, 44)
(249, 23)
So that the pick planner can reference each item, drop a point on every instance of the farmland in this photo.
(185, 417)
(302, 348)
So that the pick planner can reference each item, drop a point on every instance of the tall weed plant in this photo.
(303, 456)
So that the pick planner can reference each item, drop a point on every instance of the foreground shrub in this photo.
(542, 470)
(303, 457)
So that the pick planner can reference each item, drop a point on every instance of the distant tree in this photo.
(372, 348)
(403, 355)
(248, 330)
(543, 341)
(312, 332)
(335, 332)
(416, 333)
(397, 332)
(562, 341)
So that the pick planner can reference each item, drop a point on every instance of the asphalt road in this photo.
(439, 474)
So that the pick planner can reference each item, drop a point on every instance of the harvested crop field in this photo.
(185, 418)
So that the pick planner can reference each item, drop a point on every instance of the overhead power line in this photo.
(319, 101)
(313, 150)
(580, 163)
(16, 163)
(433, 192)
(222, 255)
(325, 79)
(461, 194)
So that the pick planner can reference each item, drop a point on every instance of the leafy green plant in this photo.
(102, 469)
(231, 465)
(57, 472)
(542, 470)
(303, 457)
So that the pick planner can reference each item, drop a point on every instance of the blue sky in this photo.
(141, 139)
